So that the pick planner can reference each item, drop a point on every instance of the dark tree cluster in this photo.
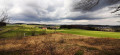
(93, 27)
(87, 27)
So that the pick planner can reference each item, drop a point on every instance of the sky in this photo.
(62, 11)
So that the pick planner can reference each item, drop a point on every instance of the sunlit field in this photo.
(92, 33)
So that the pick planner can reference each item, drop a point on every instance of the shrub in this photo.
(79, 52)
(43, 32)
(33, 33)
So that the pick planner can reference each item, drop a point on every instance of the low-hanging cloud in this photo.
(56, 11)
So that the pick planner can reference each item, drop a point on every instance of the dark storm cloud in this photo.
(92, 5)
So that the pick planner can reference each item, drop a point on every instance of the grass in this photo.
(91, 33)
(50, 45)
(21, 31)
(57, 43)
(79, 53)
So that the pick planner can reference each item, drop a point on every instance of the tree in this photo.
(3, 18)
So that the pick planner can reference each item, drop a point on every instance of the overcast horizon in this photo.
(62, 11)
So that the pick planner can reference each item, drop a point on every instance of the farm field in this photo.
(91, 33)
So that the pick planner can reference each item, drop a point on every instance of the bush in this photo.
(33, 33)
(79, 52)
(43, 32)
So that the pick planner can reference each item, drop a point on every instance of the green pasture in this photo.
(19, 31)
(91, 33)
(12, 31)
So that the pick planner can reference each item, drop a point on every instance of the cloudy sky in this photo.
(62, 11)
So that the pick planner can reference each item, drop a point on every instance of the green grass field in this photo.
(19, 30)
(92, 33)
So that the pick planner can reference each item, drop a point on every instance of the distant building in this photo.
(43, 27)
(109, 29)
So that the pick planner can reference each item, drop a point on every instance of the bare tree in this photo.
(3, 17)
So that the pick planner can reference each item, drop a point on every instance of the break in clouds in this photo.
(62, 11)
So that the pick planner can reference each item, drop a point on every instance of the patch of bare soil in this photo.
(60, 44)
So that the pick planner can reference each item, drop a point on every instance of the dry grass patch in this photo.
(59, 44)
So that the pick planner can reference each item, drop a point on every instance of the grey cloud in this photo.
(85, 18)
(92, 5)
(54, 10)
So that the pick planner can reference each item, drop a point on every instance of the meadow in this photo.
(31, 40)
(91, 33)
(18, 31)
